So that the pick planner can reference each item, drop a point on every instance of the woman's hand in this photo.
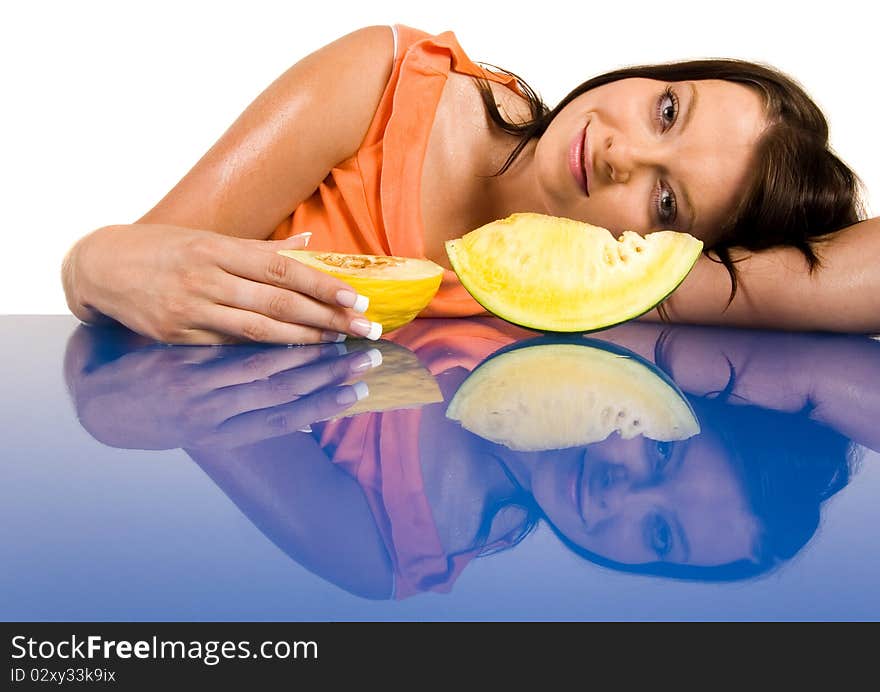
(184, 286)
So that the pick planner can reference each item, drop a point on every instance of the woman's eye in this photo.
(667, 108)
(663, 449)
(660, 536)
(662, 456)
(665, 204)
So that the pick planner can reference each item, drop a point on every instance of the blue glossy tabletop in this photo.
(490, 473)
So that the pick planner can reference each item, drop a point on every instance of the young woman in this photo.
(392, 141)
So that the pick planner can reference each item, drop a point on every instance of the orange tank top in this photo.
(371, 203)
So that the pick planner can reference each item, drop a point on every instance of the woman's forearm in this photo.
(776, 290)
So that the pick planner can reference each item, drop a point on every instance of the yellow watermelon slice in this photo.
(555, 274)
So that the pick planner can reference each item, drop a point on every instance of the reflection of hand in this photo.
(162, 398)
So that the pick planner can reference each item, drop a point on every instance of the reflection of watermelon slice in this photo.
(569, 393)
(401, 381)
(561, 275)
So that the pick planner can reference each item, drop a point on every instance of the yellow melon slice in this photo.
(399, 288)
(556, 274)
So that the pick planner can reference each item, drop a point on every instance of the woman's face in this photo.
(655, 160)
(638, 501)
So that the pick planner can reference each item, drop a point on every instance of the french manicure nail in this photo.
(350, 299)
(348, 394)
(334, 337)
(367, 360)
(361, 304)
(365, 328)
(307, 236)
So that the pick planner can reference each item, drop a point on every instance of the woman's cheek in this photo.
(551, 489)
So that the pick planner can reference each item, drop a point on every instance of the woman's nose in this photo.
(622, 158)
(609, 485)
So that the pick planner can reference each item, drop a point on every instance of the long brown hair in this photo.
(800, 190)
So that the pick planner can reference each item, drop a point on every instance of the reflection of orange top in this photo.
(382, 451)
(371, 203)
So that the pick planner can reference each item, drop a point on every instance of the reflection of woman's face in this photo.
(638, 501)
(650, 151)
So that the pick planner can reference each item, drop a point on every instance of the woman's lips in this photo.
(587, 160)
(576, 153)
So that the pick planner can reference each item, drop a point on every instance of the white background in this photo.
(106, 106)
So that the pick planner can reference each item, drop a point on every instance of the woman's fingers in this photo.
(244, 364)
(234, 325)
(286, 290)
(266, 266)
(283, 387)
(284, 305)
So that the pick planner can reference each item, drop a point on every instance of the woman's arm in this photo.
(278, 151)
(308, 506)
(776, 290)
(196, 268)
